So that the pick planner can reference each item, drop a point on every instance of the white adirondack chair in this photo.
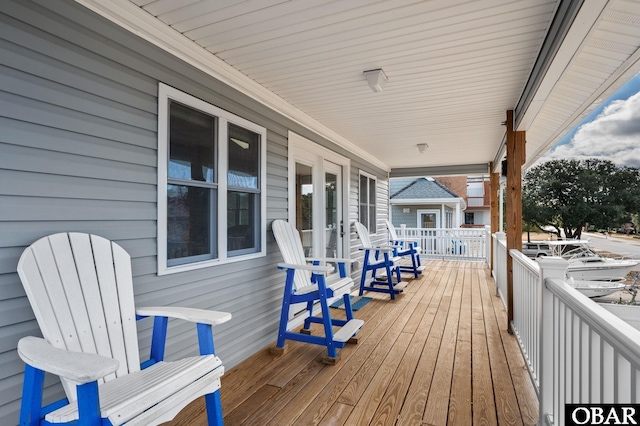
(81, 290)
(375, 258)
(406, 248)
(306, 283)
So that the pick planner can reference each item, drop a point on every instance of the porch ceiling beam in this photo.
(462, 169)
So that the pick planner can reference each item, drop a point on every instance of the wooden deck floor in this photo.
(439, 354)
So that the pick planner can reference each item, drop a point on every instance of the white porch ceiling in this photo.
(454, 66)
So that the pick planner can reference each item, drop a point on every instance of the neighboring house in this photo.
(475, 191)
(103, 132)
(424, 203)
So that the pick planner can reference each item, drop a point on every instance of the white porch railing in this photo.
(526, 306)
(587, 354)
(451, 243)
(577, 352)
(500, 265)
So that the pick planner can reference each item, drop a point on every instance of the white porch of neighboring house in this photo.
(84, 145)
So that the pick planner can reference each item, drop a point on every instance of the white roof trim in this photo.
(137, 21)
(424, 201)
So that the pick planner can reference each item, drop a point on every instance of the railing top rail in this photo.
(468, 230)
(523, 260)
(620, 334)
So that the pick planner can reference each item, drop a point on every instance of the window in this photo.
(211, 178)
(469, 218)
(367, 202)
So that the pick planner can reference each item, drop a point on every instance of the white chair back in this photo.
(290, 245)
(81, 291)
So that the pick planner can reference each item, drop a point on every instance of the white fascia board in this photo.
(427, 201)
(137, 21)
(583, 25)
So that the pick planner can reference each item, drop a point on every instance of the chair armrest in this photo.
(405, 240)
(202, 316)
(384, 249)
(78, 366)
(329, 259)
(312, 268)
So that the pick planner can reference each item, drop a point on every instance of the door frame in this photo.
(428, 211)
(303, 150)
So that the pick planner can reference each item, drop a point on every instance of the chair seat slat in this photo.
(130, 395)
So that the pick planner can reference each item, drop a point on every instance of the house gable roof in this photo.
(418, 188)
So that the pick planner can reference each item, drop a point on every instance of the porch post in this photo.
(494, 186)
(516, 156)
(554, 268)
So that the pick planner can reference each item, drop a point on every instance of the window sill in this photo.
(168, 270)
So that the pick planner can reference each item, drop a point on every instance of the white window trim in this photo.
(165, 93)
(375, 178)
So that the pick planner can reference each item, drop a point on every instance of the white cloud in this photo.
(612, 135)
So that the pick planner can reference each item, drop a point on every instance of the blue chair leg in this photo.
(88, 405)
(214, 409)
(212, 400)
(30, 410)
(347, 306)
(326, 318)
(307, 321)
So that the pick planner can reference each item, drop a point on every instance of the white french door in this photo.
(318, 188)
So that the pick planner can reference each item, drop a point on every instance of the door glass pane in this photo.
(331, 214)
(428, 220)
(304, 206)
(244, 153)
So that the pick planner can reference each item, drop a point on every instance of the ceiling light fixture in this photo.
(422, 147)
(241, 144)
(376, 79)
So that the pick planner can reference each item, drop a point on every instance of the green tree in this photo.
(569, 194)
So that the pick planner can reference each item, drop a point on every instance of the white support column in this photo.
(554, 268)
(458, 222)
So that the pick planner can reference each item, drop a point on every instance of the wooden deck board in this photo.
(438, 354)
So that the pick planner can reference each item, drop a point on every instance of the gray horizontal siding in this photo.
(78, 152)
(398, 217)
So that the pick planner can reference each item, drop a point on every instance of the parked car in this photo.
(536, 249)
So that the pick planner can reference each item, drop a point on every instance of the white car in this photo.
(536, 249)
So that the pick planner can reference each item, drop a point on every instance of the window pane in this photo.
(364, 194)
(372, 192)
(364, 197)
(189, 219)
(244, 153)
(191, 144)
(242, 223)
(372, 219)
(372, 206)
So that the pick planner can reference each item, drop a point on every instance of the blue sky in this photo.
(611, 131)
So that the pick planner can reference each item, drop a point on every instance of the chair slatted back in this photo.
(81, 291)
(392, 231)
(363, 234)
(290, 245)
